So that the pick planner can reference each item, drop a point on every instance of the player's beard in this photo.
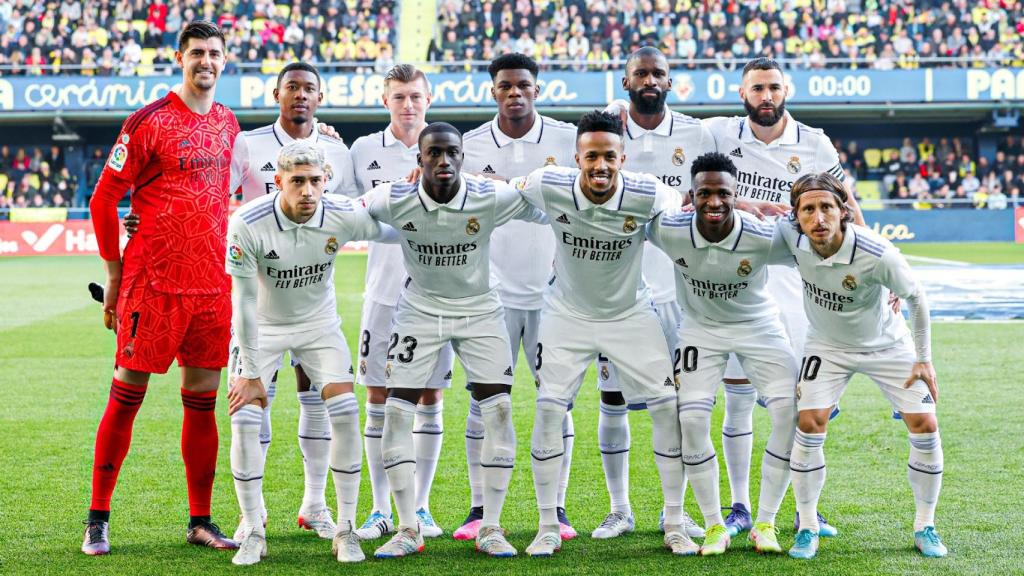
(204, 82)
(758, 117)
(647, 106)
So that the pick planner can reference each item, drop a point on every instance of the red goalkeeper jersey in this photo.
(178, 165)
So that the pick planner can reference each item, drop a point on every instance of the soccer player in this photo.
(168, 296)
(445, 221)
(281, 251)
(521, 252)
(662, 143)
(254, 169)
(721, 258)
(848, 272)
(770, 150)
(597, 302)
(388, 156)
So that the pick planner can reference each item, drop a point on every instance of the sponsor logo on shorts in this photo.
(850, 283)
(927, 399)
(508, 371)
(678, 158)
(794, 165)
(235, 252)
(669, 382)
(744, 268)
(332, 246)
(629, 225)
(472, 227)
(448, 376)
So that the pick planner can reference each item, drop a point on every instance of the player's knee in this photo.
(131, 377)
(335, 389)
(813, 421)
(547, 429)
(376, 394)
(482, 392)
(431, 396)
(921, 423)
(694, 426)
(199, 379)
(613, 398)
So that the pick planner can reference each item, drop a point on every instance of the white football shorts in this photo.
(374, 339)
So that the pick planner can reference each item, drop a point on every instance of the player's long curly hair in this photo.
(826, 182)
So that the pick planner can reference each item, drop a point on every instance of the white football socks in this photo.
(668, 455)
(474, 441)
(428, 435)
(613, 439)
(372, 434)
(346, 457)
(700, 459)
(568, 441)
(399, 457)
(498, 454)
(247, 463)
(315, 444)
(925, 474)
(738, 439)
(807, 464)
(546, 448)
(775, 462)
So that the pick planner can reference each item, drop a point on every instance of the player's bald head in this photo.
(645, 52)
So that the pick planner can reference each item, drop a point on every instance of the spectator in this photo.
(970, 184)
(980, 197)
(961, 199)
(997, 200)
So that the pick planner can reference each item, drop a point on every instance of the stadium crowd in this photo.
(36, 178)
(137, 37)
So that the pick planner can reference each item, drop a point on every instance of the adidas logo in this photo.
(669, 382)
(373, 166)
(508, 371)
(272, 255)
(682, 262)
(268, 167)
(409, 227)
(184, 144)
(448, 376)
(488, 170)
(563, 219)
(927, 399)
(737, 153)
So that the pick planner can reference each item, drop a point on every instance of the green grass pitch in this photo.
(55, 367)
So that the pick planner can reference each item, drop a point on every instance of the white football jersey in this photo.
(521, 252)
(767, 171)
(294, 262)
(446, 246)
(667, 152)
(254, 161)
(846, 296)
(598, 248)
(378, 158)
(723, 282)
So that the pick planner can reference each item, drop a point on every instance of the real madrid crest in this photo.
(850, 283)
(798, 392)
(678, 158)
(472, 227)
(549, 161)
(604, 372)
(362, 367)
(387, 370)
(332, 245)
(794, 165)
(629, 225)
(744, 268)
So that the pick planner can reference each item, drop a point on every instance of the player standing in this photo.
(848, 272)
(445, 221)
(389, 156)
(281, 252)
(168, 296)
(516, 142)
(662, 143)
(770, 150)
(597, 301)
(721, 258)
(254, 168)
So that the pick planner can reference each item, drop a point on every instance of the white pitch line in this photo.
(928, 260)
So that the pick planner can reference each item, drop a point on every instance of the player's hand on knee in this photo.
(245, 391)
(131, 223)
(924, 371)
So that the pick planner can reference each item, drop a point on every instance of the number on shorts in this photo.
(135, 323)
(677, 358)
(364, 347)
(689, 359)
(809, 368)
(540, 356)
(410, 345)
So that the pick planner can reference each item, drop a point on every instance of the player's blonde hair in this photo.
(404, 73)
(300, 154)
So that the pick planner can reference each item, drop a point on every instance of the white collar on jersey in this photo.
(284, 139)
(730, 242)
(390, 140)
(458, 202)
(845, 253)
(634, 130)
(533, 136)
(285, 223)
(790, 135)
(583, 203)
